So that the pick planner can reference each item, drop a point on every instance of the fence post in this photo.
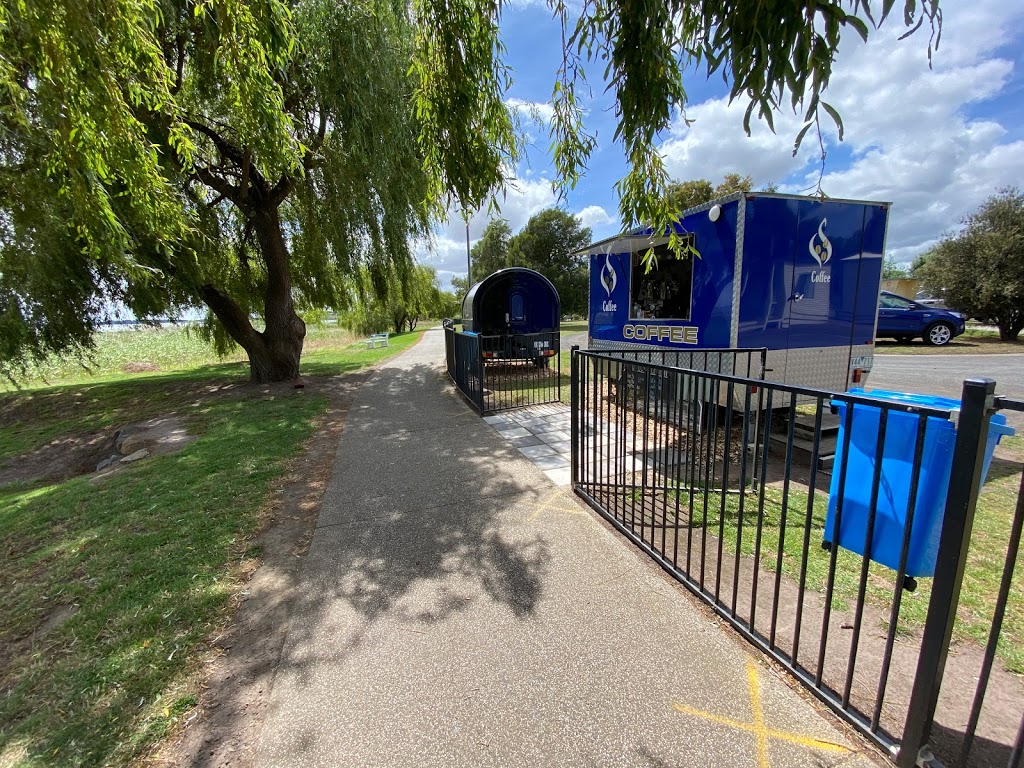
(574, 413)
(958, 520)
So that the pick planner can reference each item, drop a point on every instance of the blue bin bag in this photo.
(894, 484)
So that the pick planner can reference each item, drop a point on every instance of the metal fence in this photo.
(465, 365)
(968, 710)
(732, 484)
(498, 373)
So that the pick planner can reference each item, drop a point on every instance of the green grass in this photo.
(982, 576)
(112, 589)
(972, 342)
(147, 351)
(573, 326)
(108, 397)
(144, 560)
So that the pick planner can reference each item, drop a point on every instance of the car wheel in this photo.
(938, 334)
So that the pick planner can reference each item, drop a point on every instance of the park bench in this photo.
(377, 340)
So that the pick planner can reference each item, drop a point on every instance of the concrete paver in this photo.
(460, 609)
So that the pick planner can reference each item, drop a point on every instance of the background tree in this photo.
(893, 271)
(981, 270)
(421, 298)
(690, 194)
(460, 286)
(546, 244)
(250, 154)
(401, 307)
(490, 253)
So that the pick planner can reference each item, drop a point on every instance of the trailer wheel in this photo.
(938, 334)
(540, 362)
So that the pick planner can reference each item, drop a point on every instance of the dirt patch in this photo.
(73, 455)
(238, 668)
(60, 459)
(140, 368)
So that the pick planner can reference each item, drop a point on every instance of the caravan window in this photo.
(518, 315)
(666, 291)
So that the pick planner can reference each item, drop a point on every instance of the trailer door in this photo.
(766, 278)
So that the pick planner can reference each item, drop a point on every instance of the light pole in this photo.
(469, 264)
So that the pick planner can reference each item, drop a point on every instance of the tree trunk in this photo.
(275, 352)
(277, 359)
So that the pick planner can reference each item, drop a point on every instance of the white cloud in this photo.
(908, 131)
(538, 111)
(596, 217)
(447, 251)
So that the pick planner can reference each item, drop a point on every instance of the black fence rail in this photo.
(718, 478)
(465, 365)
(969, 709)
(498, 373)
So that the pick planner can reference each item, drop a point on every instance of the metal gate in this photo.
(498, 373)
(721, 479)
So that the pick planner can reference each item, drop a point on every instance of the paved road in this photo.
(460, 610)
(944, 375)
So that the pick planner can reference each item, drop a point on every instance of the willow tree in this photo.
(248, 154)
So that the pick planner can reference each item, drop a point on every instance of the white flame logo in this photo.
(820, 252)
(608, 277)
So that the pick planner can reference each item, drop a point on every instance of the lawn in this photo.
(112, 587)
(973, 342)
(986, 558)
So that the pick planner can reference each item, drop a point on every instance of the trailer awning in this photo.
(627, 242)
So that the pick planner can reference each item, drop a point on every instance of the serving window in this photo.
(664, 293)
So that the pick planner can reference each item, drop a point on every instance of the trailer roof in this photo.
(628, 242)
(641, 239)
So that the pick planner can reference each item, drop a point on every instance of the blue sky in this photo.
(934, 142)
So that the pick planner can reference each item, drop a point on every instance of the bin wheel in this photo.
(827, 546)
(909, 583)
(938, 334)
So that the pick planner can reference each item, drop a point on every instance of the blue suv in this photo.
(903, 320)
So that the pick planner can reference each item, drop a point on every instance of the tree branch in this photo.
(309, 159)
(217, 184)
(281, 190)
(179, 73)
(231, 152)
(232, 316)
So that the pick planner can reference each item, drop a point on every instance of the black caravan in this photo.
(515, 313)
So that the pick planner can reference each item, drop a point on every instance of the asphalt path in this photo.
(944, 375)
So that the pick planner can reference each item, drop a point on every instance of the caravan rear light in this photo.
(488, 355)
(856, 375)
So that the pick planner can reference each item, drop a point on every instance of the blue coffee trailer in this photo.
(515, 311)
(798, 275)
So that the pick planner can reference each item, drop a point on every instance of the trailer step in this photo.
(803, 425)
(803, 449)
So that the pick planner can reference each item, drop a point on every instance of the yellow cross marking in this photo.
(758, 727)
(550, 503)
(754, 687)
